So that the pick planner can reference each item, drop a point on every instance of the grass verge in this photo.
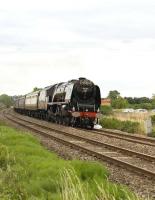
(29, 171)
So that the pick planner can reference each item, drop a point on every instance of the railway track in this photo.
(137, 162)
(2, 109)
(127, 137)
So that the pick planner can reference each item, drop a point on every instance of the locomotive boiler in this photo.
(74, 103)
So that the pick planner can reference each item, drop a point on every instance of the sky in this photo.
(109, 42)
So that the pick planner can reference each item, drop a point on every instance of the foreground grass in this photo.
(29, 171)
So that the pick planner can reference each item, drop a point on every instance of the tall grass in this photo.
(73, 189)
(28, 171)
(128, 118)
(71, 186)
(131, 116)
(127, 126)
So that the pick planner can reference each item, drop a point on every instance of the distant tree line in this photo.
(142, 102)
(6, 100)
(119, 102)
(9, 100)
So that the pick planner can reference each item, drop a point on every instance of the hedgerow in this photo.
(113, 123)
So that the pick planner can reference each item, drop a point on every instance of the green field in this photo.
(29, 171)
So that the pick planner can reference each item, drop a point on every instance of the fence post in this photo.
(148, 126)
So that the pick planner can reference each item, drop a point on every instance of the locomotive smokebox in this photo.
(83, 90)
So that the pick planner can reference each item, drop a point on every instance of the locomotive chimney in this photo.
(82, 78)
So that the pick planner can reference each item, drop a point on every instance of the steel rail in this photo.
(92, 141)
(138, 140)
(124, 136)
(99, 155)
(120, 133)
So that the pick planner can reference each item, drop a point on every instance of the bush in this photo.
(153, 119)
(127, 126)
(130, 127)
(147, 106)
(110, 123)
(106, 110)
(153, 132)
(119, 103)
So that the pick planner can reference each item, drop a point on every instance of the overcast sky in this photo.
(111, 42)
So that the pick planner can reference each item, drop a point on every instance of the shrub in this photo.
(127, 126)
(119, 103)
(130, 127)
(153, 132)
(106, 110)
(153, 119)
(110, 123)
(147, 106)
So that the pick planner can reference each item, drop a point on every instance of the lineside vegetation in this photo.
(126, 126)
(29, 171)
(127, 122)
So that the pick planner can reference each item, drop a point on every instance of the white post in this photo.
(148, 126)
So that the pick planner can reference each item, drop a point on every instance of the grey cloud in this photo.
(105, 21)
(124, 20)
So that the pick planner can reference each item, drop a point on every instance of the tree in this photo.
(114, 94)
(147, 106)
(145, 100)
(119, 103)
(6, 100)
(36, 89)
(137, 100)
(153, 101)
(130, 100)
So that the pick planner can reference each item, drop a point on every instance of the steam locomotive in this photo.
(74, 103)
